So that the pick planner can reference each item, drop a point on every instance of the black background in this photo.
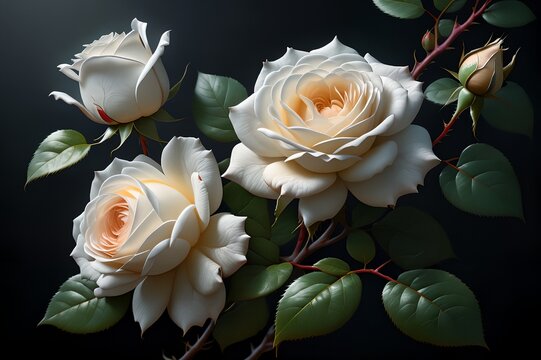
(497, 258)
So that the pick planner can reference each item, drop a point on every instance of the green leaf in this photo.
(360, 246)
(511, 110)
(124, 131)
(223, 165)
(163, 116)
(147, 128)
(508, 14)
(363, 215)
(403, 9)
(434, 306)
(213, 97)
(483, 183)
(59, 150)
(109, 132)
(413, 238)
(455, 6)
(443, 91)
(262, 252)
(242, 203)
(255, 281)
(333, 266)
(316, 304)
(242, 321)
(75, 309)
(445, 27)
(285, 227)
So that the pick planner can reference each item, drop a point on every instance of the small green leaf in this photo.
(223, 165)
(482, 183)
(434, 306)
(262, 252)
(360, 246)
(109, 133)
(75, 309)
(147, 128)
(333, 266)
(443, 91)
(316, 304)
(163, 116)
(213, 97)
(511, 110)
(508, 14)
(242, 203)
(363, 215)
(255, 281)
(285, 227)
(413, 238)
(242, 321)
(124, 131)
(403, 9)
(59, 150)
(445, 27)
(174, 90)
(455, 6)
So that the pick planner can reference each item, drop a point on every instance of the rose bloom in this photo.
(149, 227)
(119, 77)
(323, 122)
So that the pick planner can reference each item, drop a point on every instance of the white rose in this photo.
(119, 77)
(149, 227)
(327, 121)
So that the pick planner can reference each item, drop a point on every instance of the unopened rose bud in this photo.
(428, 42)
(481, 70)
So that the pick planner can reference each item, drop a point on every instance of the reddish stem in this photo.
(374, 272)
(144, 144)
(300, 240)
(446, 129)
(303, 267)
(458, 29)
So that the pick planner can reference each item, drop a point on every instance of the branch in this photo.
(264, 346)
(192, 350)
(458, 29)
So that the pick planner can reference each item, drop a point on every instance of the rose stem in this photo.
(144, 144)
(458, 29)
(446, 129)
(265, 345)
(199, 344)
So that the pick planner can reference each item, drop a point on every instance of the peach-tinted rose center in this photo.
(114, 227)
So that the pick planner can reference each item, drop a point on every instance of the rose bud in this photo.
(428, 41)
(120, 78)
(482, 72)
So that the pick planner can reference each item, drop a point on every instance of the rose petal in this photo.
(291, 179)
(205, 275)
(186, 227)
(246, 169)
(333, 48)
(165, 256)
(372, 162)
(58, 95)
(132, 48)
(364, 142)
(225, 242)
(189, 308)
(68, 71)
(321, 163)
(415, 158)
(201, 196)
(324, 205)
(116, 284)
(290, 57)
(181, 157)
(150, 299)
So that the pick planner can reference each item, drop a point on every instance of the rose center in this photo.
(332, 105)
(114, 227)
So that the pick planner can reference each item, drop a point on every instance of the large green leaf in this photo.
(443, 91)
(75, 309)
(255, 281)
(455, 6)
(445, 27)
(58, 151)
(413, 238)
(403, 9)
(213, 97)
(483, 183)
(363, 215)
(508, 14)
(434, 306)
(242, 203)
(316, 304)
(262, 252)
(333, 266)
(285, 227)
(511, 110)
(242, 321)
(360, 246)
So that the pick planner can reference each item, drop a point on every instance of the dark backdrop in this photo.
(497, 258)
